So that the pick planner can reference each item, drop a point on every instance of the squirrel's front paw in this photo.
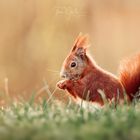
(61, 84)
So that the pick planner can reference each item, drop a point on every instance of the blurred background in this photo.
(36, 36)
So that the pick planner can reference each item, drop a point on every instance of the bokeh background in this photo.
(36, 36)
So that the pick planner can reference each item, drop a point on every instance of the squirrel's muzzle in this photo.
(63, 74)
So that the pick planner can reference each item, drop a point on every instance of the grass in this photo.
(57, 121)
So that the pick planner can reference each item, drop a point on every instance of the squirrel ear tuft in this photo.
(76, 41)
(82, 41)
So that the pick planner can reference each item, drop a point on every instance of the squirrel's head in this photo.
(76, 62)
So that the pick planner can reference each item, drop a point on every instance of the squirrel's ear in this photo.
(80, 52)
(81, 45)
(82, 42)
(76, 41)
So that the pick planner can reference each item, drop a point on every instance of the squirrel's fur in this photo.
(84, 78)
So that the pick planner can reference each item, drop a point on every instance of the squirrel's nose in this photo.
(63, 75)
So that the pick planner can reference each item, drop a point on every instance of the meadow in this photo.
(54, 120)
(36, 37)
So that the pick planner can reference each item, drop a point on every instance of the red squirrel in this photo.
(83, 77)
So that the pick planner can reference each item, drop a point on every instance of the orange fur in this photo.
(86, 77)
(130, 75)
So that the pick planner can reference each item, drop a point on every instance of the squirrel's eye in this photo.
(73, 64)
